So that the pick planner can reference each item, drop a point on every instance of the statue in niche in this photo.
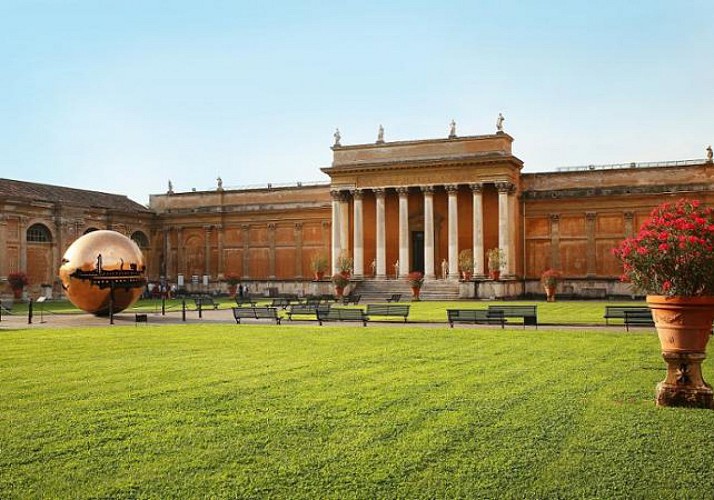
(373, 266)
(444, 269)
(499, 122)
(396, 269)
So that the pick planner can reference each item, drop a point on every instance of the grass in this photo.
(343, 412)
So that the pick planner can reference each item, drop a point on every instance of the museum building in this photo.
(390, 207)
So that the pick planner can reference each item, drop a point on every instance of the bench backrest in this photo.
(388, 310)
(515, 310)
(619, 311)
(472, 314)
(340, 313)
(204, 300)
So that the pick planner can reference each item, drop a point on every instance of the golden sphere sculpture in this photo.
(102, 271)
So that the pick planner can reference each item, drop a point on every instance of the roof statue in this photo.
(499, 122)
(380, 135)
(452, 129)
(220, 183)
(710, 153)
(171, 188)
(337, 137)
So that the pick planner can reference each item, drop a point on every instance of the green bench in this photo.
(389, 310)
(475, 316)
(341, 314)
(256, 313)
(529, 314)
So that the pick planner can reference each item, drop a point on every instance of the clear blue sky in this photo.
(121, 96)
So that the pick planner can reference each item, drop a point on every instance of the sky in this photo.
(124, 96)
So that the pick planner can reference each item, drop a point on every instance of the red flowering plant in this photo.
(673, 252)
(550, 277)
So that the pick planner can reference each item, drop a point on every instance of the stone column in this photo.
(591, 254)
(403, 193)
(358, 252)
(554, 241)
(336, 224)
(629, 224)
(3, 246)
(428, 232)
(381, 236)
(504, 224)
(207, 250)
(167, 252)
(180, 267)
(344, 222)
(219, 263)
(23, 244)
(298, 250)
(477, 244)
(271, 250)
(452, 191)
(245, 238)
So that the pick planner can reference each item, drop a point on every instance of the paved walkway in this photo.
(225, 316)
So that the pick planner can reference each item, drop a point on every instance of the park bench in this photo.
(281, 302)
(341, 314)
(256, 313)
(351, 298)
(306, 310)
(394, 310)
(205, 302)
(529, 314)
(141, 318)
(618, 312)
(638, 317)
(246, 299)
(396, 297)
(475, 316)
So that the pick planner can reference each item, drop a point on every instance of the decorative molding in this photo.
(451, 188)
(427, 190)
(476, 187)
(402, 190)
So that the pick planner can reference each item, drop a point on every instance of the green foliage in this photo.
(466, 260)
(227, 411)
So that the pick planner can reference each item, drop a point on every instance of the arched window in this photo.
(140, 239)
(90, 230)
(38, 233)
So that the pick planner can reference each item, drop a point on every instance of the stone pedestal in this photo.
(684, 385)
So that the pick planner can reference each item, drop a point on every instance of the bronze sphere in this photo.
(103, 270)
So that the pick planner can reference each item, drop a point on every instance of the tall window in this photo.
(38, 233)
(140, 239)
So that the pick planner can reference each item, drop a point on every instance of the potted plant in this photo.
(549, 279)
(318, 265)
(496, 260)
(18, 281)
(340, 281)
(345, 264)
(466, 263)
(416, 281)
(671, 259)
(232, 280)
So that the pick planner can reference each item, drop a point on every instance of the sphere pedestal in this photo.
(684, 385)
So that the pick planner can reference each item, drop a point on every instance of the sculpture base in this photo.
(684, 385)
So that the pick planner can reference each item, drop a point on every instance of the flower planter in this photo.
(683, 325)
(415, 292)
(339, 291)
(17, 293)
(550, 293)
(319, 275)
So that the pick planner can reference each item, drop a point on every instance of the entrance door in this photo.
(417, 251)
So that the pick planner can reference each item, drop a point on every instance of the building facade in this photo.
(391, 207)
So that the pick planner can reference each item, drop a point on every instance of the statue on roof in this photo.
(710, 153)
(171, 187)
(499, 122)
(337, 137)
(220, 183)
(452, 129)
(380, 135)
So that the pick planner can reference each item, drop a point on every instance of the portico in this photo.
(412, 205)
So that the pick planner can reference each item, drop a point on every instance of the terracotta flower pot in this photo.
(550, 293)
(17, 293)
(415, 292)
(683, 325)
(339, 291)
(319, 275)
(494, 275)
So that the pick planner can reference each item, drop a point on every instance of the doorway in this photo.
(417, 251)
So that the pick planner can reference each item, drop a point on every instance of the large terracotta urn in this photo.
(550, 293)
(415, 292)
(684, 325)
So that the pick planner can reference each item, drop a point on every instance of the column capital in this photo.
(245, 227)
(272, 226)
(590, 215)
(554, 217)
(427, 190)
(402, 190)
(451, 188)
(336, 195)
(476, 187)
(379, 192)
(325, 224)
(298, 226)
(629, 215)
(357, 194)
(504, 187)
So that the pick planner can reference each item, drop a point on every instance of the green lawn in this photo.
(227, 411)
